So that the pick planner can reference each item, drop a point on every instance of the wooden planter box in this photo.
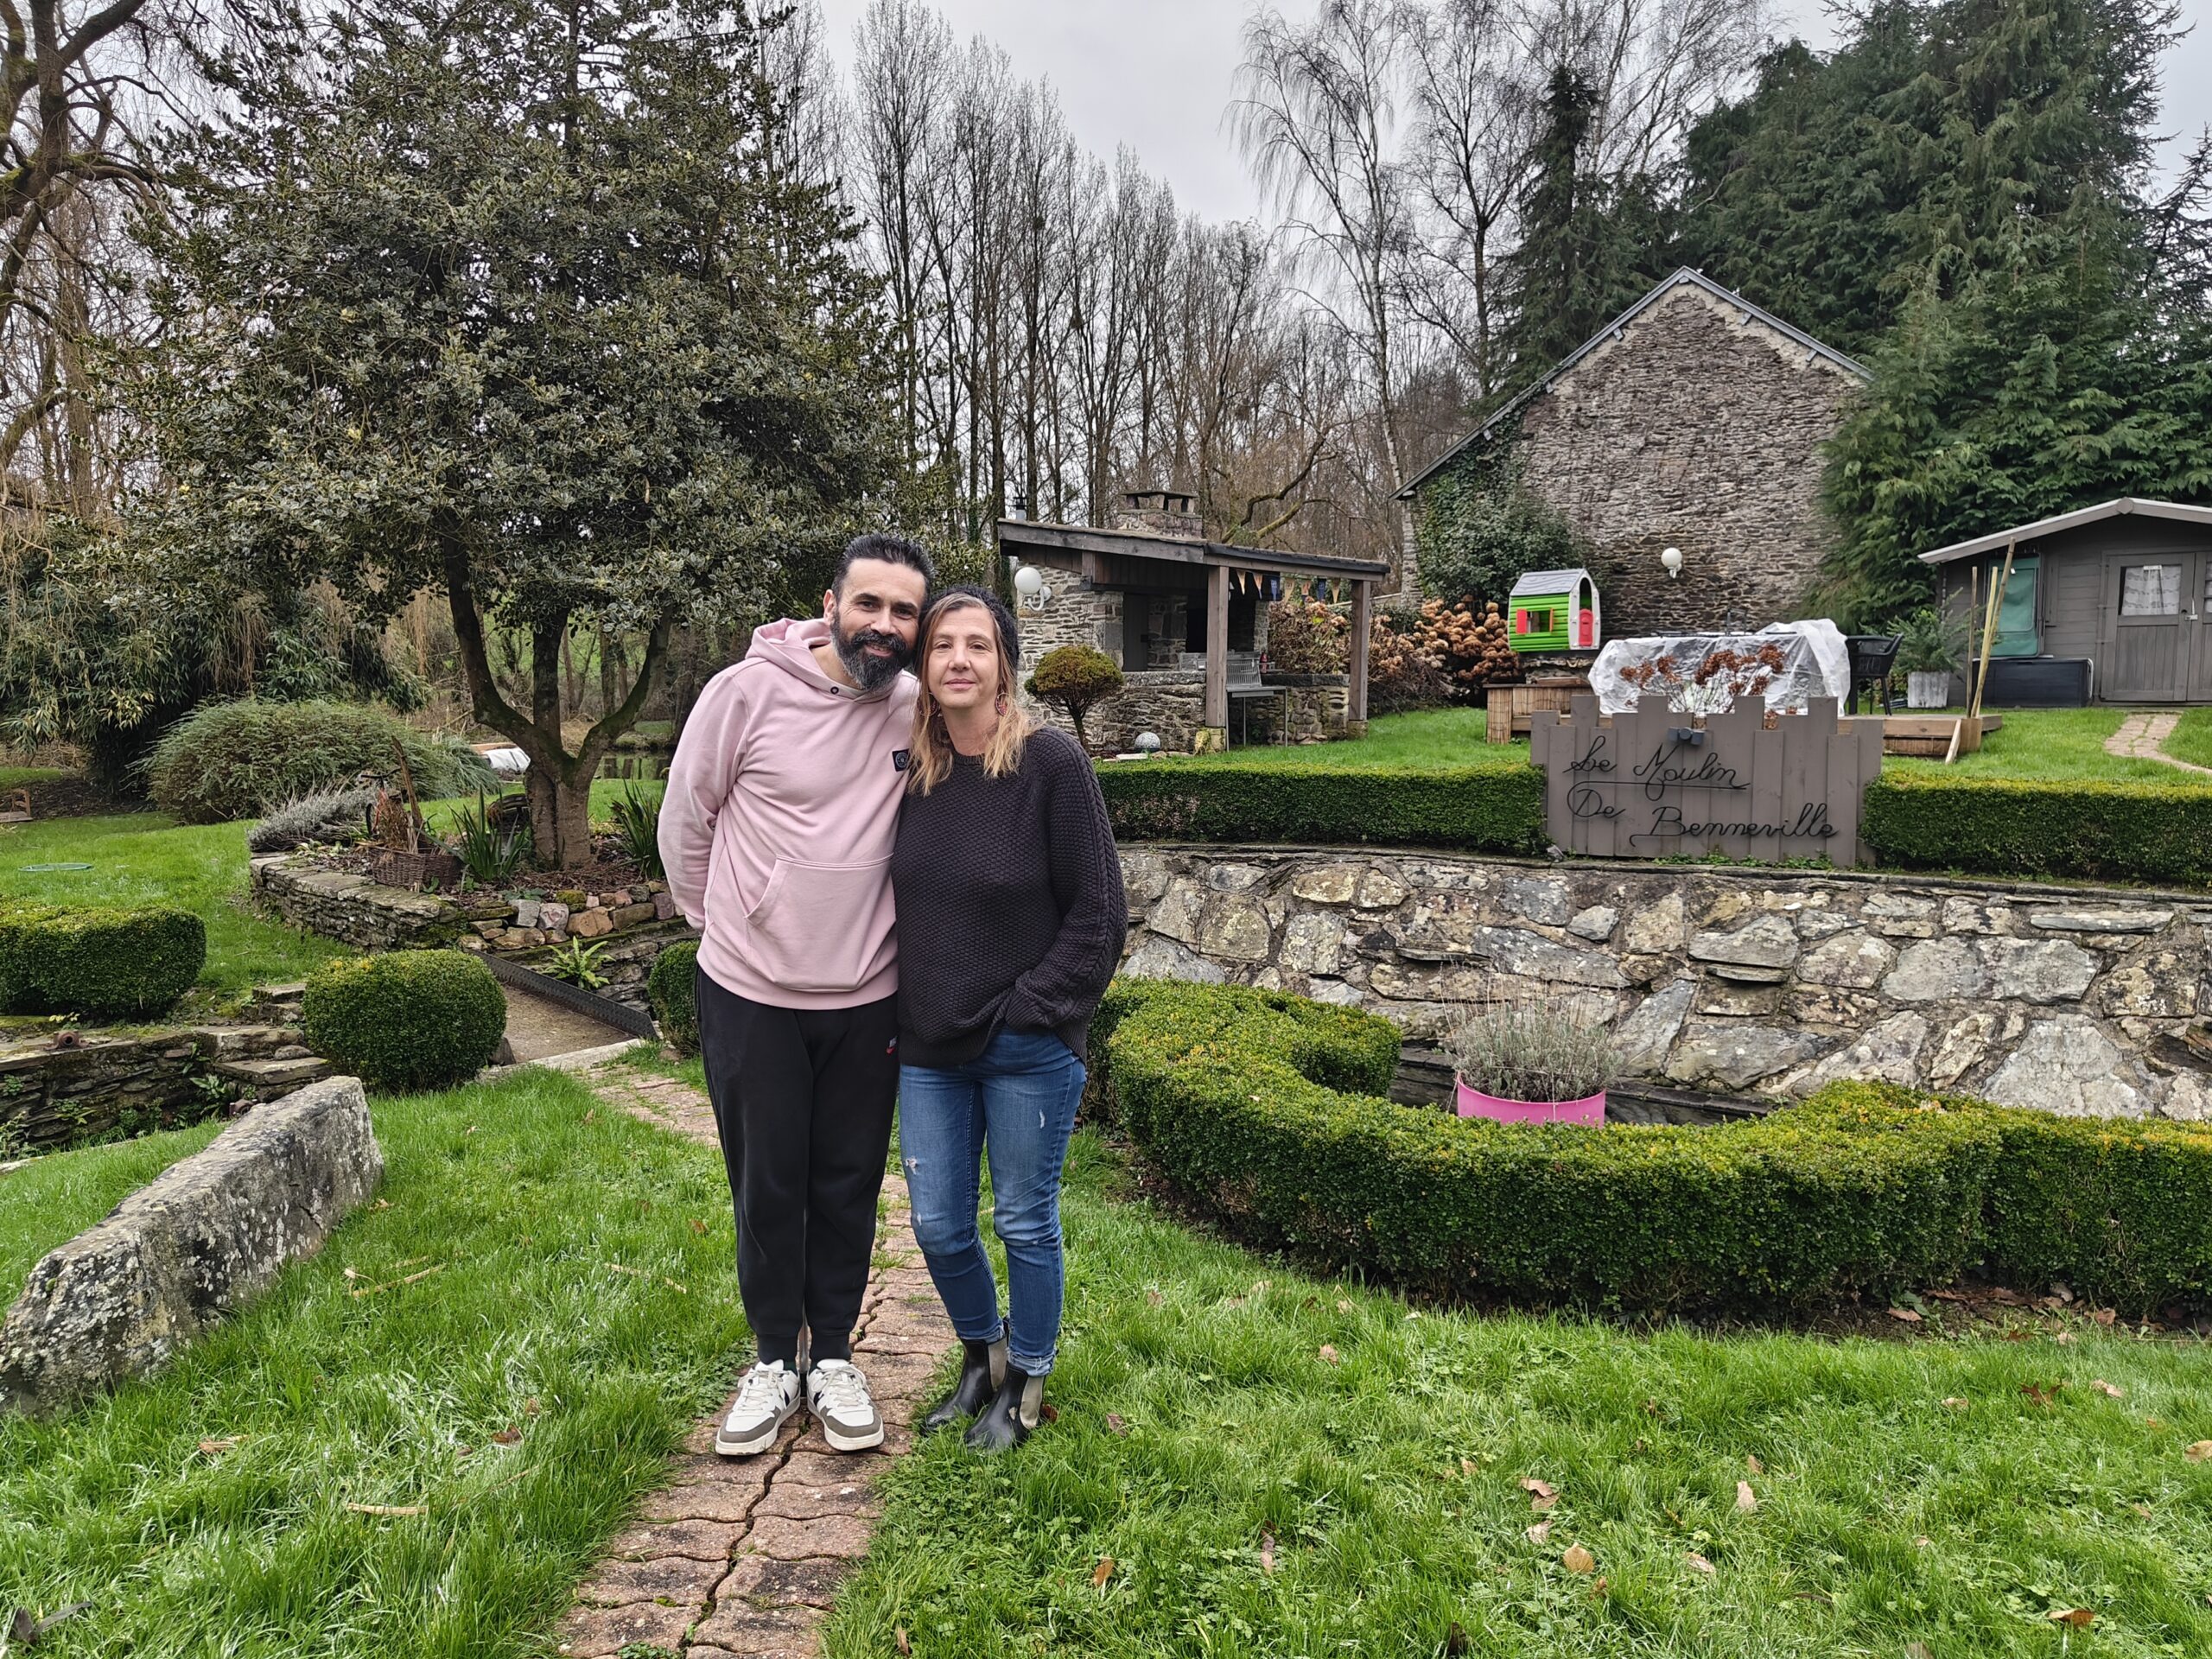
(1510, 706)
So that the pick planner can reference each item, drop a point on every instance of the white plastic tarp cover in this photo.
(1703, 673)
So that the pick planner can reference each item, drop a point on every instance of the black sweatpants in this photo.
(803, 1100)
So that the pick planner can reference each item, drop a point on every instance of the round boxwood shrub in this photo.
(103, 963)
(227, 760)
(406, 1020)
(671, 988)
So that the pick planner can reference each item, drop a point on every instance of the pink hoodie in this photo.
(782, 803)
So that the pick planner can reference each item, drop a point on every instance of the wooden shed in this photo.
(2110, 603)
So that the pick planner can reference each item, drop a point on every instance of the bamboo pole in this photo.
(1990, 609)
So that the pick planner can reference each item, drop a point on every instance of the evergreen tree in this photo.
(510, 302)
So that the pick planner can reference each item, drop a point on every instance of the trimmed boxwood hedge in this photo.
(1268, 1109)
(1484, 810)
(672, 989)
(405, 1019)
(105, 964)
(2121, 831)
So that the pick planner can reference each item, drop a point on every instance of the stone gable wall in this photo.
(1701, 429)
(1729, 981)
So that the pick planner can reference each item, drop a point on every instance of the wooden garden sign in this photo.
(1655, 783)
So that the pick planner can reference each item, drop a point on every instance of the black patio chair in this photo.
(1873, 656)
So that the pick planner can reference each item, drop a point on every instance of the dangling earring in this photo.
(1000, 705)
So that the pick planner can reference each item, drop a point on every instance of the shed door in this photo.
(2151, 603)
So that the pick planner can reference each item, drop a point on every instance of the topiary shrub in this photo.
(1270, 1111)
(228, 760)
(672, 987)
(1490, 811)
(1075, 677)
(2123, 831)
(406, 1020)
(103, 963)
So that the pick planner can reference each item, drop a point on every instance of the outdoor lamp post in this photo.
(1672, 558)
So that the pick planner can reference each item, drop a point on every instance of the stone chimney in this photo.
(1162, 512)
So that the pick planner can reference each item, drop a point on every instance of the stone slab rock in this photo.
(189, 1249)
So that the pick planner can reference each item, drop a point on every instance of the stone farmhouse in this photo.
(1694, 420)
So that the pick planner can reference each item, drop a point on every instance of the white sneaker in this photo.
(765, 1399)
(837, 1395)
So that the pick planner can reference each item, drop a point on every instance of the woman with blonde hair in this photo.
(1011, 922)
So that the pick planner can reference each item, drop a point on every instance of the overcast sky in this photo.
(1157, 74)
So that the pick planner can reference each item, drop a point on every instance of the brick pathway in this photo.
(744, 1555)
(2143, 737)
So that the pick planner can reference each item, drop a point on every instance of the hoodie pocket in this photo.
(821, 927)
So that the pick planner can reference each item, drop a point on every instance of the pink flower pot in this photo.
(1472, 1103)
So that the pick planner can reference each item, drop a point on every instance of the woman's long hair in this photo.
(931, 763)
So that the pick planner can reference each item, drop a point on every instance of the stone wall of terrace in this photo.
(103, 1084)
(1728, 980)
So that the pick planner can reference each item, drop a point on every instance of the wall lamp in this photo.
(1672, 558)
(1030, 587)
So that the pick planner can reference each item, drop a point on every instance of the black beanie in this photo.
(1009, 630)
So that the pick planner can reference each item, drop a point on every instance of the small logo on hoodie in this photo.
(900, 760)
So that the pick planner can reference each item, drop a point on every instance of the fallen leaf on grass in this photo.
(1103, 1572)
(1344, 1304)
(1579, 1559)
(2198, 1452)
(1917, 1650)
(1267, 1550)
(1697, 1563)
(2062, 1337)
(1923, 1542)
(531, 1407)
(1456, 1641)
(2152, 1422)
(1906, 1314)
(1812, 1595)
(507, 1437)
(2080, 1617)
(1467, 1465)
(2103, 1316)
(1537, 1488)
(1599, 1588)
(23, 1631)
(216, 1448)
(2143, 1509)
(1328, 1353)
(1751, 1463)
(1953, 1403)
(1114, 1424)
(394, 1284)
(698, 1226)
(353, 1272)
(1543, 1505)
(899, 1640)
(1746, 1499)
(387, 1509)
(588, 1117)
(1539, 1533)
(1154, 1297)
(1048, 1412)
(2040, 1396)
(2107, 1390)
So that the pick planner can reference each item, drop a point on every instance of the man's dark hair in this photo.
(890, 549)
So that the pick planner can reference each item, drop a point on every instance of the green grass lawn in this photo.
(147, 858)
(550, 1236)
(1210, 1400)
(52, 1199)
(2062, 745)
(1428, 738)
(32, 776)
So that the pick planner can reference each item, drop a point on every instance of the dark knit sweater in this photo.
(1011, 913)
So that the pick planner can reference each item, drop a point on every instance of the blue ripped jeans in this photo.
(1017, 1102)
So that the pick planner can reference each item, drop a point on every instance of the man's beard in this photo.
(871, 673)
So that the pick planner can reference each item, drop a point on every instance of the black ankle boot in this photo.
(1013, 1411)
(981, 1366)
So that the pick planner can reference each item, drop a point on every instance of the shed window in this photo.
(2150, 590)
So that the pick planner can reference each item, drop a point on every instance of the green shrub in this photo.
(1494, 811)
(2127, 832)
(406, 1020)
(106, 964)
(1075, 676)
(1270, 1110)
(672, 989)
(226, 760)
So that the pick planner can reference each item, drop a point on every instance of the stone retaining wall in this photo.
(629, 926)
(103, 1086)
(1726, 979)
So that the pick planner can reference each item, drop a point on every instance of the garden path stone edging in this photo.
(744, 1556)
(1764, 981)
(191, 1247)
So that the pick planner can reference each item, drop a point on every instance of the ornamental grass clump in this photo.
(1533, 1049)
(226, 760)
(326, 815)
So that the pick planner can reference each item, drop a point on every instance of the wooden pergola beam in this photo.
(1217, 704)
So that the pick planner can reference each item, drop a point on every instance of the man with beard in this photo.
(777, 828)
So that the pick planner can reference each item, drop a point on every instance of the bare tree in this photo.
(1316, 120)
